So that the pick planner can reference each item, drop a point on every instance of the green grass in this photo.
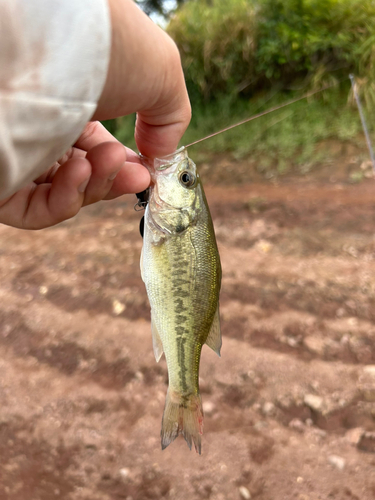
(281, 140)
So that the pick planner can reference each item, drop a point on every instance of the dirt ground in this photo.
(290, 406)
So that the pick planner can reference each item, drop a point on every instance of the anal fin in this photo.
(156, 341)
(214, 337)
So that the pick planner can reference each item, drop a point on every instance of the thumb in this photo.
(160, 126)
(157, 140)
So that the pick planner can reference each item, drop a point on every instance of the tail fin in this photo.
(182, 415)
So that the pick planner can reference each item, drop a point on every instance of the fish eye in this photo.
(187, 179)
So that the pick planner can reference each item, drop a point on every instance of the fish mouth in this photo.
(159, 164)
(155, 203)
(167, 161)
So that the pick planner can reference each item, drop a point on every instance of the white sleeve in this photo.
(54, 56)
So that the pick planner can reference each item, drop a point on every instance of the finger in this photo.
(159, 130)
(13, 208)
(158, 141)
(95, 133)
(160, 126)
(73, 152)
(47, 176)
(132, 178)
(52, 203)
(106, 160)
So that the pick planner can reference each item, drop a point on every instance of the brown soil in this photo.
(290, 406)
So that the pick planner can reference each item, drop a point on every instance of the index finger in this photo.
(95, 133)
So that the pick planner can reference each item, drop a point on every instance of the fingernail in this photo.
(83, 186)
(113, 176)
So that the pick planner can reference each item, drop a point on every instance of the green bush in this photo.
(217, 45)
(239, 47)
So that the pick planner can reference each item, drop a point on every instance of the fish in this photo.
(181, 269)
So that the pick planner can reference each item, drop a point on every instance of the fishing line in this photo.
(275, 122)
(143, 197)
(271, 110)
(365, 129)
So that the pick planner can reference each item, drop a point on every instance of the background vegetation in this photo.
(243, 56)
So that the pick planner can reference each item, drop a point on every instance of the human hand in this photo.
(145, 76)
(96, 168)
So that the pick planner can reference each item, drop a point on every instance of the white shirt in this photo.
(54, 57)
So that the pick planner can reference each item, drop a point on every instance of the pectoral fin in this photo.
(214, 337)
(156, 341)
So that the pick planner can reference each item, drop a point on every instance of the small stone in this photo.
(244, 492)
(299, 479)
(369, 370)
(319, 433)
(263, 246)
(368, 393)
(367, 442)
(366, 165)
(124, 472)
(337, 461)
(315, 343)
(340, 312)
(353, 321)
(261, 424)
(268, 408)
(345, 339)
(297, 425)
(208, 407)
(314, 402)
(353, 436)
(118, 307)
(218, 496)
(43, 290)
(292, 341)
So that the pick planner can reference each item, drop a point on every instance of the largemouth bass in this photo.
(181, 269)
